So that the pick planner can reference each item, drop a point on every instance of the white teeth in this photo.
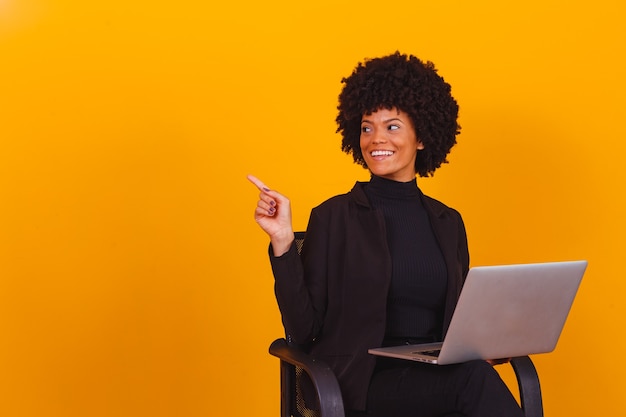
(382, 153)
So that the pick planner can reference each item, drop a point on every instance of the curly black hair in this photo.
(408, 84)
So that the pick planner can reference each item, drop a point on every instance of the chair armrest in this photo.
(529, 388)
(323, 378)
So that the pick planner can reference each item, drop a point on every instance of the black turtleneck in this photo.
(418, 282)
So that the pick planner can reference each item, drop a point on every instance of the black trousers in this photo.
(472, 389)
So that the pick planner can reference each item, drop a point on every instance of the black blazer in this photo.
(333, 298)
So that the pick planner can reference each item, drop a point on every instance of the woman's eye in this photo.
(365, 129)
(393, 127)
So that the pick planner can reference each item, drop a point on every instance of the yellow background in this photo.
(133, 279)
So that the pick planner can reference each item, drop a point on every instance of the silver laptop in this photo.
(503, 312)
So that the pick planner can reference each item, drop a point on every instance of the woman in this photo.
(384, 264)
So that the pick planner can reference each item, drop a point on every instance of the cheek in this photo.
(362, 143)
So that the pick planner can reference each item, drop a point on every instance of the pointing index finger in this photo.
(254, 180)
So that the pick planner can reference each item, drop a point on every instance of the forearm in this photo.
(294, 300)
(281, 242)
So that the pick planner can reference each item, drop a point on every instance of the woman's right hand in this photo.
(273, 215)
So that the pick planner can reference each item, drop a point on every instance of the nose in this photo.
(379, 136)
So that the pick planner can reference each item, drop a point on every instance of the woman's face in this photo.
(389, 144)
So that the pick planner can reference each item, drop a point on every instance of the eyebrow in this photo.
(384, 121)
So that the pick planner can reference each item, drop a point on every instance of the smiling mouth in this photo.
(381, 153)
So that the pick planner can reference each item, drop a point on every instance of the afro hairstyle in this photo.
(408, 84)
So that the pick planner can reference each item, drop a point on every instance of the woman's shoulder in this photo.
(438, 207)
(355, 196)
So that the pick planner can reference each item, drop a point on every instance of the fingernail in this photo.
(272, 210)
(265, 189)
(272, 203)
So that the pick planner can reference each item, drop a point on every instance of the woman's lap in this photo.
(421, 390)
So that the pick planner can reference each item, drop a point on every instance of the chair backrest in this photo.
(299, 237)
(299, 240)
